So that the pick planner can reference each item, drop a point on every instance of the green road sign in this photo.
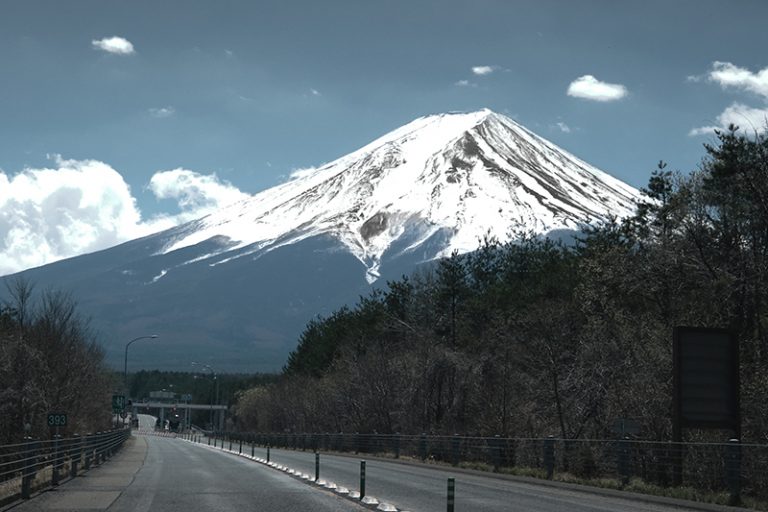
(118, 403)
(57, 420)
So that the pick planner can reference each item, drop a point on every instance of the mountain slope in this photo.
(242, 282)
(468, 173)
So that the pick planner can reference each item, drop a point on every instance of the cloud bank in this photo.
(732, 77)
(81, 206)
(590, 88)
(116, 45)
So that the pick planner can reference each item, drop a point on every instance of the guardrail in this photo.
(35, 464)
(731, 469)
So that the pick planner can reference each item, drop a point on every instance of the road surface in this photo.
(165, 474)
(423, 489)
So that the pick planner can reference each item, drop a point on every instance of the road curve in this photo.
(423, 488)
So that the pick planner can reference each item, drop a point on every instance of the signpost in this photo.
(118, 404)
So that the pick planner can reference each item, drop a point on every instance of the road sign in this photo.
(57, 420)
(118, 403)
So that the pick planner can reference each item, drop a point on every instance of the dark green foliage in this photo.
(535, 338)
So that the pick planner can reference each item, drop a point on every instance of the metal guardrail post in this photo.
(733, 470)
(623, 452)
(97, 449)
(88, 451)
(253, 449)
(451, 495)
(496, 452)
(56, 455)
(28, 470)
(362, 479)
(549, 456)
(317, 466)
(455, 440)
(76, 449)
(267, 452)
(240, 450)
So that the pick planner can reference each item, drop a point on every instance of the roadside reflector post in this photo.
(267, 452)
(230, 443)
(451, 494)
(253, 448)
(317, 466)
(362, 479)
(241, 447)
(423, 446)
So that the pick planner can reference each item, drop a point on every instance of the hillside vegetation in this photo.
(536, 337)
(50, 362)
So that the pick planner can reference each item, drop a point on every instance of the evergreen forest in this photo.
(537, 337)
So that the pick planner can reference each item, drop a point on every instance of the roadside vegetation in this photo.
(50, 362)
(537, 337)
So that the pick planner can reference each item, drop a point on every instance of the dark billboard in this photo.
(706, 379)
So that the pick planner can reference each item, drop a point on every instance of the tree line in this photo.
(538, 337)
(50, 362)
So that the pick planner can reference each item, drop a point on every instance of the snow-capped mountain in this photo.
(464, 174)
(234, 289)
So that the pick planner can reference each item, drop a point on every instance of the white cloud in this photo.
(483, 70)
(314, 92)
(81, 206)
(730, 75)
(590, 88)
(563, 127)
(116, 45)
(162, 112)
(749, 119)
(465, 83)
(196, 194)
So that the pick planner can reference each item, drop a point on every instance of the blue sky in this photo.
(118, 118)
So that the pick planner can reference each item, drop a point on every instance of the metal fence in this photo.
(34, 464)
(732, 468)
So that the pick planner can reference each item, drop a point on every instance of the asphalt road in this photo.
(423, 489)
(179, 476)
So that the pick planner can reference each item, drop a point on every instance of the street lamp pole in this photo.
(216, 380)
(125, 366)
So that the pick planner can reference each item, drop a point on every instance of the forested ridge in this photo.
(536, 337)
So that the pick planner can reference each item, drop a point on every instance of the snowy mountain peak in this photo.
(437, 184)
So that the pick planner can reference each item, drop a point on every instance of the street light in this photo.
(216, 380)
(125, 367)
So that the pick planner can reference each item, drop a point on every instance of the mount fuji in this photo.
(235, 288)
